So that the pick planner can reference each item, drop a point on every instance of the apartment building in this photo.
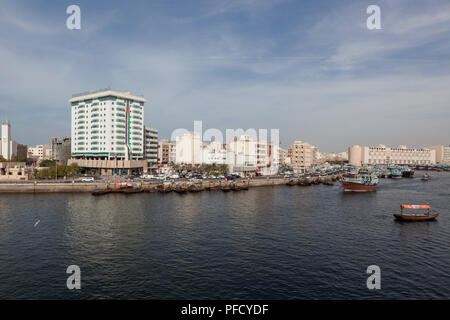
(188, 148)
(301, 154)
(363, 155)
(151, 146)
(40, 152)
(61, 149)
(166, 152)
(442, 154)
(107, 125)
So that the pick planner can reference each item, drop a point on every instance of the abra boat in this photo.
(195, 188)
(226, 188)
(100, 192)
(291, 182)
(385, 174)
(421, 216)
(408, 173)
(180, 189)
(362, 181)
(425, 177)
(132, 190)
(396, 174)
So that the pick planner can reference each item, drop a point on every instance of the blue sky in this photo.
(310, 68)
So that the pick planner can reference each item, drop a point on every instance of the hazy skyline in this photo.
(309, 68)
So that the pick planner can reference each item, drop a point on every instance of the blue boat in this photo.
(407, 172)
(396, 174)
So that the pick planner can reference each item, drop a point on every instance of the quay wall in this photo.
(50, 187)
(43, 187)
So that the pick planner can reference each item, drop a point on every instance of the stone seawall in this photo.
(89, 187)
(268, 182)
(50, 187)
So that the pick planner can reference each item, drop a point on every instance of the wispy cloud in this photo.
(239, 64)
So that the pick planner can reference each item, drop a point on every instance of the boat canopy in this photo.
(415, 206)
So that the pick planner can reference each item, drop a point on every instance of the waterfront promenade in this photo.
(70, 186)
(77, 186)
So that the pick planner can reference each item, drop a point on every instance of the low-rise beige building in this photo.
(111, 167)
(166, 152)
(14, 171)
(362, 155)
(301, 154)
(442, 154)
(41, 152)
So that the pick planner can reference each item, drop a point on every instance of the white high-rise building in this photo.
(6, 146)
(214, 153)
(188, 149)
(107, 125)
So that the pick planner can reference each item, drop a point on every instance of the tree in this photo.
(18, 159)
(47, 163)
(72, 170)
(2, 159)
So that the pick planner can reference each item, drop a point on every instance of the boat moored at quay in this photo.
(360, 181)
(396, 174)
(408, 173)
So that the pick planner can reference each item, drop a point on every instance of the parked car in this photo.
(88, 179)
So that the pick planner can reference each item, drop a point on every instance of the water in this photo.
(266, 243)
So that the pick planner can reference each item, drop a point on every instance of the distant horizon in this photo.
(312, 70)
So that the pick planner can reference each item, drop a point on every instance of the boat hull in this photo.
(100, 192)
(415, 217)
(408, 174)
(133, 191)
(357, 187)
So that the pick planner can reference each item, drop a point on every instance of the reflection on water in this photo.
(265, 243)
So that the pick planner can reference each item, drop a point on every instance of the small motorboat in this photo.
(292, 182)
(396, 174)
(304, 182)
(226, 188)
(215, 187)
(195, 188)
(100, 192)
(421, 216)
(181, 189)
(426, 177)
(133, 190)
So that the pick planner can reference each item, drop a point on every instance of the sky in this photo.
(310, 68)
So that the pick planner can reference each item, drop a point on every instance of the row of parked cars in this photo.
(189, 175)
